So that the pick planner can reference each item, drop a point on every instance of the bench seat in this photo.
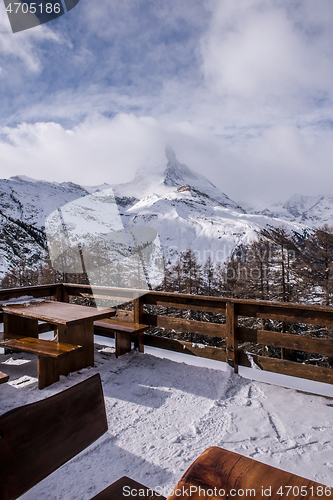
(123, 332)
(3, 378)
(48, 351)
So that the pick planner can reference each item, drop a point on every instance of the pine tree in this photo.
(191, 272)
(283, 254)
(316, 268)
(208, 276)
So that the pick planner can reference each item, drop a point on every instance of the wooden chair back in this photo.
(37, 438)
(218, 474)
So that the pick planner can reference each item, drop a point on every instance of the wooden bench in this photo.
(220, 474)
(36, 439)
(236, 476)
(49, 353)
(123, 332)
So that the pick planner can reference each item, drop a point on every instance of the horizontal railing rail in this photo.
(158, 309)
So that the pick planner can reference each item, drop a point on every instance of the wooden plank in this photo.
(120, 326)
(58, 313)
(47, 434)
(186, 325)
(243, 359)
(99, 329)
(296, 313)
(123, 343)
(48, 371)
(139, 342)
(64, 294)
(123, 315)
(19, 326)
(309, 372)
(109, 297)
(124, 293)
(58, 293)
(292, 313)
(138, 310)
(227, 473)
(126, 488)
(177, 301)
(3, 378)
(83, 335)
(34, 291)
(183, 347)
(45, 327)
(287, 340)
(296, 306)
(232, 342)
(41, 347)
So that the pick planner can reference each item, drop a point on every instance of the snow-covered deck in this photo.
(162, 414)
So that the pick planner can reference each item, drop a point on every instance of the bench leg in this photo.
(3, 378)
(48, 371)
(123, 343)
(139, 343)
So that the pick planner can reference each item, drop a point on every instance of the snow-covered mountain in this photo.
(187, 210)
(24, 205)
(165, 175)
(310, 211)
(182, 206)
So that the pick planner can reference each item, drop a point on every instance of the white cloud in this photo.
(272, 164)
(252, 112)
(96, 151)
(22, 46)
(268, 55)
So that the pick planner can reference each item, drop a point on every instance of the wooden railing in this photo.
(153, 309)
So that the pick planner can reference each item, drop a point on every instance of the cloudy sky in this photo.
(242, 91)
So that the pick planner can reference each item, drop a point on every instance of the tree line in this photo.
(279, 265)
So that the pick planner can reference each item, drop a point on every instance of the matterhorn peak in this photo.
(164, 174)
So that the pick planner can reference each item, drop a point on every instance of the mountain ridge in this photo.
(184, 207)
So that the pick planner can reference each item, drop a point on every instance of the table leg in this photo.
(18, 326)
(82, 335)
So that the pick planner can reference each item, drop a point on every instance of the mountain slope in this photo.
(24, 205)
(184, 207)
(166, 175)
(309, 211)
(187, 210)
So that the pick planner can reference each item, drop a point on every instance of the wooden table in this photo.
(74, 325)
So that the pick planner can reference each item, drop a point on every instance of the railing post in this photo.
(232, 342)
(138, 310)
(57, 295)
(138, 318)
(61, 294)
